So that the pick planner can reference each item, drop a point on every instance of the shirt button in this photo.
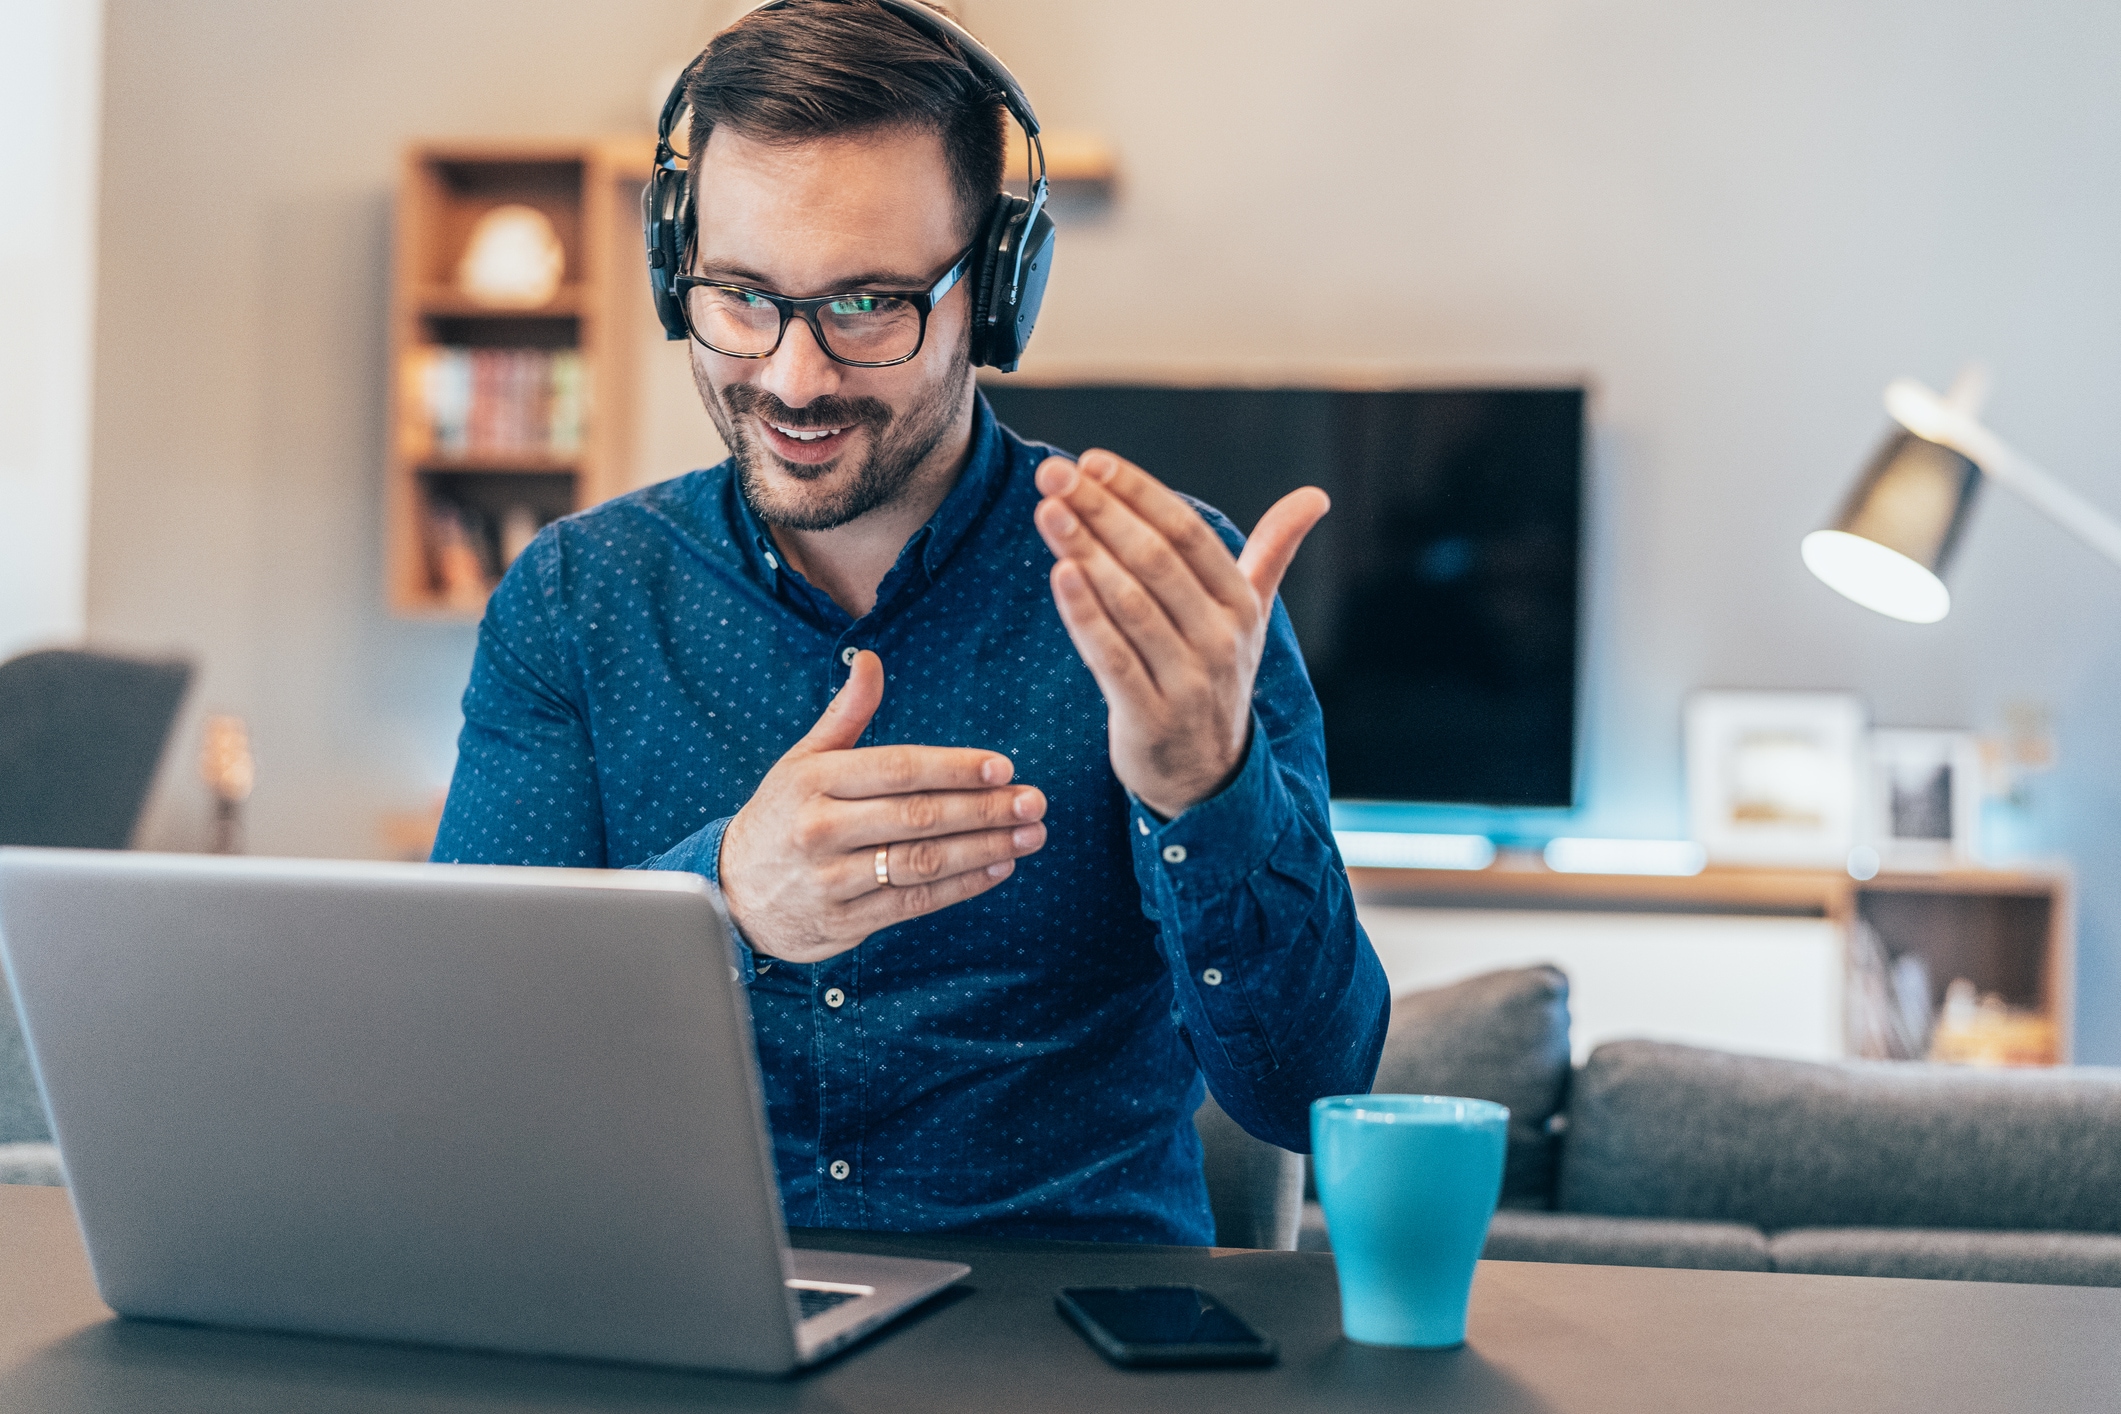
(847, 655)
(772, 563)
(1213, 977)
(1174, 854)
(1144, 826)
(834, 996)
(839, 1169)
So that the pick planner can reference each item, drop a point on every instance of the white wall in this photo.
(250, 160)
(51, 65)
(1740, 220)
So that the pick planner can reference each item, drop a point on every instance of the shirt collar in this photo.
(985, 473)
(961, 510)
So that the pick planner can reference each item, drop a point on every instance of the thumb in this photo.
(844, 720)
(1278, 536)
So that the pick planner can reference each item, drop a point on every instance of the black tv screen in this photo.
(1437, 605)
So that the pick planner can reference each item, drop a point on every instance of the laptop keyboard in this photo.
(817, 1303)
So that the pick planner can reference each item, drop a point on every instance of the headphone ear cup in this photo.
(663, 204)
(1011, 330)
(994, 235)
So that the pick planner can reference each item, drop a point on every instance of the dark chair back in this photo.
(80, 737)
(1255, 1189)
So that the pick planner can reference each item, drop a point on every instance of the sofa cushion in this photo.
(1670, 1131)
(1518, 1236)
(2049, 1258)
(1522, 1235)
(31, 1163)
(1502, 1036)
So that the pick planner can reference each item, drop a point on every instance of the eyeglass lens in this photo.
(861, 328)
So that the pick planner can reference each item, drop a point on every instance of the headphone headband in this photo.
(939, 26)
(1016, 246)
(933, 23)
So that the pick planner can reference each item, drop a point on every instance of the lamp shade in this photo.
(1888, 547)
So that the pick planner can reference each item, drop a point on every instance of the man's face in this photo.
(868, 211)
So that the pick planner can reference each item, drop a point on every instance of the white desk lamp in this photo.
(1888, 546)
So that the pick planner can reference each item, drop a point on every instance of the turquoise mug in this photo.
(1408, 1183)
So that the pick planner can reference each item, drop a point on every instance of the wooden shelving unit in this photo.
(590, 191)
(2011, 932)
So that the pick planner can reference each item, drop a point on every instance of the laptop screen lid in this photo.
(464, 1105)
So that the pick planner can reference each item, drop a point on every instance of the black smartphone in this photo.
(1143, 1326)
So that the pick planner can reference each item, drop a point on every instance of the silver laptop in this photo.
(513, 1109)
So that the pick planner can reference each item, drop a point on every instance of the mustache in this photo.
(747, 400)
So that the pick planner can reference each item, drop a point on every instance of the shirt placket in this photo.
(835, 1009)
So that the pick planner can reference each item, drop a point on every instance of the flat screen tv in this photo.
(1437, 605)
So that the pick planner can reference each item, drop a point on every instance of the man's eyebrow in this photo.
(868, 279)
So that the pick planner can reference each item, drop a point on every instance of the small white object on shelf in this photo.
(1923, 806)
(1669, 858)
(1392, 849)
(1772, 777)
(514, 259)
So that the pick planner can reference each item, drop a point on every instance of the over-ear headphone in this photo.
(1015, 251)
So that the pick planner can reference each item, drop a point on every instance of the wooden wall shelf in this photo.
(444, 302)
(498, 464)
(1077, 164)
(452, 512)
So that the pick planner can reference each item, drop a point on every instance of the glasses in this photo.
(864, 328)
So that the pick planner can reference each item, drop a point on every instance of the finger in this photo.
(1111, 658)
(901, 770)
(1278, 536)
(887, 819)
(1142, 551)
(1130, 606)
(1101, 473)
(847, 716)
(913, 862)
(880, 908)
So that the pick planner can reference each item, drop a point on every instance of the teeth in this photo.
(810, 436)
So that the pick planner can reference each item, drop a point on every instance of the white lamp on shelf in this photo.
(1888, 547)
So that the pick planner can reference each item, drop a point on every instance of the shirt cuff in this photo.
(742, 960)
(1222, 840)
(701, 853)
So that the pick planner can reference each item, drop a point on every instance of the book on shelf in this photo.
(483, 404)
(469, 549)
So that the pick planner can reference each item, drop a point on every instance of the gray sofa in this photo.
(26, 1152)
(1674, 1156)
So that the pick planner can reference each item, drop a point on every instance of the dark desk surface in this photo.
(1543, 1337)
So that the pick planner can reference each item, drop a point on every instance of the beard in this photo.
(832, 493)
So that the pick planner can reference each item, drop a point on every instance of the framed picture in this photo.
(1774, 777)
(1924, 797)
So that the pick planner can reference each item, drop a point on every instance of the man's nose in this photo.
(799, 372)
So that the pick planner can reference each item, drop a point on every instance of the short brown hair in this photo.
(819, 68)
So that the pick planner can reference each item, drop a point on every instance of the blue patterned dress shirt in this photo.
(1027, 1062)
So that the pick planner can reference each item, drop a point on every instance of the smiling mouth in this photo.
(806, 434)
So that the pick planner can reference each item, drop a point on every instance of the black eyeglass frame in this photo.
(922, 301)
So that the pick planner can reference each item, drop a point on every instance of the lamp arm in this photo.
(1926, 415)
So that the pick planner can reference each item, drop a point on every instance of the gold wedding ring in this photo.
(883, 866)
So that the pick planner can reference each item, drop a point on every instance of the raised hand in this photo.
(1171, 625)
(799, 863)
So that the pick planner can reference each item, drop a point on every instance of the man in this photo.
(1006, 765)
